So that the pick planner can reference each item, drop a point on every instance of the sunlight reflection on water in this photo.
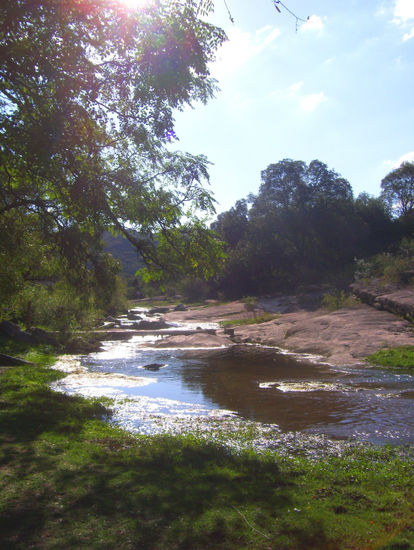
(251, 383)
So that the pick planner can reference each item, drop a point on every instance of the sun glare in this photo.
(134, 4)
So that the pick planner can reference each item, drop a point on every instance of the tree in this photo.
(398, 189)
(303, 227)
(87, 92)
(232, 225)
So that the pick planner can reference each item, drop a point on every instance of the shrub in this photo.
(338, 300)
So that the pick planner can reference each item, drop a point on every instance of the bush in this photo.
(338, 300)
(390, 268)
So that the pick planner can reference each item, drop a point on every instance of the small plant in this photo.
(250, 305)
(263, 318)
(338, 300)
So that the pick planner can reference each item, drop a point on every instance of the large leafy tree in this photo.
(398, 189)
(87, 93)
(303, 227)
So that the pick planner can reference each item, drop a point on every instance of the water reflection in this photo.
(261, 385)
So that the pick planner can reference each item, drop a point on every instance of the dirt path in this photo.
(342, 337)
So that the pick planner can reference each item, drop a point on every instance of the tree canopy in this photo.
(87, 93)
(302, 227)
(398, 189)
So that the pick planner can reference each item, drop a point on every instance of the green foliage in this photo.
(193, 289)
(262, 318)
(303, 227)
(388, 267)
(398, 189)
(87, 94)
(338, 300)
(250, 304)
(188, 251)
(69, 480)
(401, 357)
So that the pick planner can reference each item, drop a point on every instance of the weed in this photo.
(263, 318)
(339, 300)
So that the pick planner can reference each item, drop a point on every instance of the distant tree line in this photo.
(304, 227)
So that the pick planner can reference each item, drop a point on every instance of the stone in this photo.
(154, 310)
(9, 361)
(153, 366)
(43, 336)
(151, 325)
(14, 332)
(134, 316)
(180, 307)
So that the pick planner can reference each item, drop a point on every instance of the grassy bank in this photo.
(400, 357)
(70, 480)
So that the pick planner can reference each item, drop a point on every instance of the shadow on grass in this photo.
(72, 482)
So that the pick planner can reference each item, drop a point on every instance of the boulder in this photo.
(43, 336)
(153, 366)
(151, 325)
(134, 316)
(180, 307)
(158, 310)
(14, 332)
(9, 361)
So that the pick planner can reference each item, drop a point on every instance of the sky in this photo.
(339, 88)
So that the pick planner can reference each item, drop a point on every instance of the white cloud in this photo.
(294, 92)
(295, 88)
(404, 15)
(241, 47)
(312, 101)
(392, 164)
(408, 35)
(404, 10)
(314, 23)
(408, 157)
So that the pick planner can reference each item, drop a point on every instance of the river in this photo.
(158, 389)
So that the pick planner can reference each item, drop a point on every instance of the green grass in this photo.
(401, 357)
(70, 480)
(263, 318)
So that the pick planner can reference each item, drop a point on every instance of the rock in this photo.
(151, 325)
(14, 332)
(159, 310)
(399, 301)
(153, 366)
(43, 336)
(107, 325)
(180, 307)
(9, 361)
(134, 317)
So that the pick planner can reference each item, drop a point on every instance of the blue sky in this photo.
(339, 89)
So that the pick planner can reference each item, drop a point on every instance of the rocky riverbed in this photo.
(342, 337)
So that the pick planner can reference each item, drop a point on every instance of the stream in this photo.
(157, 390)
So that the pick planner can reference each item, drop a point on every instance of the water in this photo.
(251, 383)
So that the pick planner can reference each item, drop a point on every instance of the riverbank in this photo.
(71, 480)
(343, 337)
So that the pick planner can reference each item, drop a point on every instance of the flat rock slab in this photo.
(211, 313)
(342, 337)
(199, 340)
